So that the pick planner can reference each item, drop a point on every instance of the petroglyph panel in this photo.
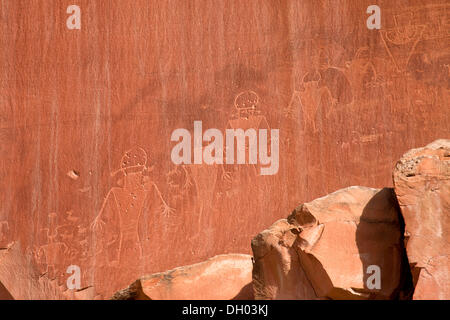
(86, 117)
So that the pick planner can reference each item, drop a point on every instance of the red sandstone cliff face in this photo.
(349, 244)
(75, 104)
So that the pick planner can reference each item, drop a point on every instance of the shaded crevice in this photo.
(406, 288)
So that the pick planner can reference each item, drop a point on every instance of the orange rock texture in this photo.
(223, 277)
(91, 199)
(422, 185)
(330, 247)
(325, 248)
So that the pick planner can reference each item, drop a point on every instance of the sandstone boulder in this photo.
(223, 277)
(20, 280)
(422, 185)
(327, 249)
(4, 293)
(277, 273)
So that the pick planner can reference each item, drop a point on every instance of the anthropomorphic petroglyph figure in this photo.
(401, 41)
(307, 102)
(246, 115)
(369, 76)
(121, 227)
(179, 181)
(318, 93)
(242, 188)
(332, 77)
(184, 189)
(60, 243)
(51, 252)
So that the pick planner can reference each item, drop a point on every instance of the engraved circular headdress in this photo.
(246, 100)
(135, 157)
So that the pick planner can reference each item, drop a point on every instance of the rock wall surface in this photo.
(333, 246)
(86, 118)
(223, 277)
(422, 185)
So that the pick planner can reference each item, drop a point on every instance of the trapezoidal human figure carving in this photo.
(246, 115)
(121, 227)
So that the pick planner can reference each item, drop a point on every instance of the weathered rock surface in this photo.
(223, 277)
(4, 293)
(277, 273)
(325, 247)
(422, 185)
(20, 280)
(73, 103)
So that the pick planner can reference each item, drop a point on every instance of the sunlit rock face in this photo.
(329, 248)
(422, 186)
(86, 118)
(223, 277)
